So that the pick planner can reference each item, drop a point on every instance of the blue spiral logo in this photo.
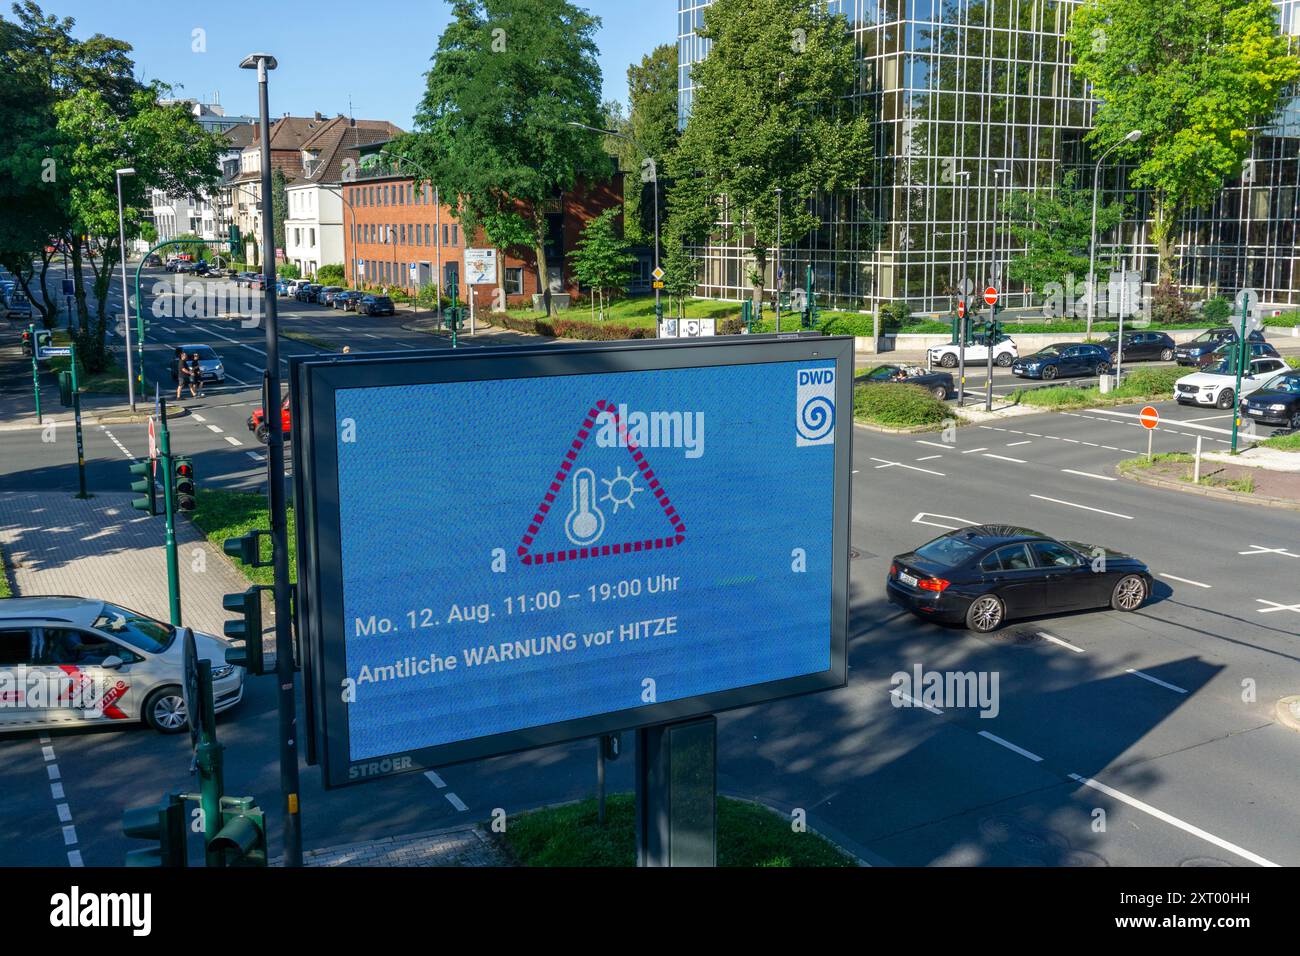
(816, 418)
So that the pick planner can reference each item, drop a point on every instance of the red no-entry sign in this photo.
(991, 295)
(961, 309)
(1149, 417)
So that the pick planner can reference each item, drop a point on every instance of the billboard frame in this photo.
(320, 576)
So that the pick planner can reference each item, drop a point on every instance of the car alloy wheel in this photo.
(1129, 593)
(1103, 368)
(263, 434)
(1295, 422)
(939, 392)
(165, 711)
(985, 614)
(1049, 371)
(949, 360)
(1003, 360)
(1225, 398)
(1167, 355)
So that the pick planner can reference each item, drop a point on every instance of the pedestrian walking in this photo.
(181, 375)
(195, 375)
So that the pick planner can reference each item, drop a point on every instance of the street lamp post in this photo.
(126, 322)
(263, 63)
(655, 180)
(778, 258)
(965, 287)
(995, 275)
(1131, 137)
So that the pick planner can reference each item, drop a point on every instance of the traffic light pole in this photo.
(1243, 350)
(76, 418)
(169, 509)
(275, 494)
(208, 760)
(36, 372)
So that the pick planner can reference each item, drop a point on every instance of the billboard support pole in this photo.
(676, 793)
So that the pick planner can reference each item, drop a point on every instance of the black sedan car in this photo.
(1193, 352)
(1067, 358)
(346, 300)
(1276, 402)
(984, 575)
(1141, 346)
(938, 384)
(376, 305)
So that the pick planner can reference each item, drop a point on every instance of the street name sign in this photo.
(513, 547)
(55, 351)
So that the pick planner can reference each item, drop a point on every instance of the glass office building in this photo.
(972, 99)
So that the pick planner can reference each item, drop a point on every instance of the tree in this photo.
(773, 109)
(279, 206)
(508, 78)
(1055, 229)
(601, 259)
(1193, 76)
(681, 273)
(649, 133)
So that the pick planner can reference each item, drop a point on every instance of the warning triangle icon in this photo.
(578, 505)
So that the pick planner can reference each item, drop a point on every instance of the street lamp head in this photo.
(1133, 136)
(126, 171)
(250, 62)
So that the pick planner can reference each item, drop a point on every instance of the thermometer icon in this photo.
(585, 523)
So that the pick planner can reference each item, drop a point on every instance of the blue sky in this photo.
(372, 51)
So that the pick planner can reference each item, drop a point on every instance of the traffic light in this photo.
(65, 389)
(164, 823)
(747, 314)
(183, 483)
(242, 838)
(247, 548)
(247, 628)
(659, 311)
(234, 240)
(144, 472)
(28, 347)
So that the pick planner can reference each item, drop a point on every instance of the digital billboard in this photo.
(519, 547)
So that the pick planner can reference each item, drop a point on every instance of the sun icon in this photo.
(627, 488)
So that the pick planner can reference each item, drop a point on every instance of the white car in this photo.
(1004, 353)
(76, 662)
(1216, 386)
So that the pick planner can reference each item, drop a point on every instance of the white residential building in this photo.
(313, 230)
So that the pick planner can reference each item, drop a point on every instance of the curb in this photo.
(909, 430)
(1287, 712)
(1221, 494)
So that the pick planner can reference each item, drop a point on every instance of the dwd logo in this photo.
(814, 422)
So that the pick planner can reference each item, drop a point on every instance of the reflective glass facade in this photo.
(971, 99)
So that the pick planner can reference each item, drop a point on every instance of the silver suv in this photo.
(76, 662)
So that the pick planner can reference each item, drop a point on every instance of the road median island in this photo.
(900, 408)
(749, 834)
(1141, 385)
(1218, 479)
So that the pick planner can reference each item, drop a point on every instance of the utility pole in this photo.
(264, 62)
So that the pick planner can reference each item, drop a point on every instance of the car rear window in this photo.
(948, 551)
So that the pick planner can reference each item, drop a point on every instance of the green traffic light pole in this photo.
(139, 315)
(210, 764)
(169, 509)
(36, 374)
(76, 418)
(1243, 350)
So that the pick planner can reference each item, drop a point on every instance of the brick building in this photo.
(390, 225)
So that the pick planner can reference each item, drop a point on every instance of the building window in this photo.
(311, 237)
(454, 239)
(513, 281)
(444, 234)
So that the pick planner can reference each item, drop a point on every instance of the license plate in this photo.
(907, 578)
(1255, 411)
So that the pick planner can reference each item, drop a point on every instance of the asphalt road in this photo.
(1119, 739)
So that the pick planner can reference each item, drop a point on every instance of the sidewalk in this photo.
(101, 547)
(464, 845)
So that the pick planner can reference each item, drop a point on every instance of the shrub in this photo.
(847, 323)
(895, 315)
(1217, 310)
(1168, 306)
(898, 406)
(287, 270)
(571, 328)
(1150, 382)
(330, 274)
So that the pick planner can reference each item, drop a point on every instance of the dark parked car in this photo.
(17, 306)
(376, 305)
(938, 384)
(984, 575)
(153, 259)
(1141, 346)
(1192, 353)
(308, 292)
(1276, 402)
(1228, 350)
(326, 295)
(346, 300)
(1067, 358)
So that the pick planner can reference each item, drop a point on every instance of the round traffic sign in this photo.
(1149, 417)
(991, 295)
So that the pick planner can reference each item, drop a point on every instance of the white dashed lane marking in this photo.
(1010, 746)
(1174, 577)
(1156, 680)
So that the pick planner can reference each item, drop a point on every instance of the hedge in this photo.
(570, 328)
(898, 406)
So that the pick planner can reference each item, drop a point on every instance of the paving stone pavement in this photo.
(101, 547)
(465, 845)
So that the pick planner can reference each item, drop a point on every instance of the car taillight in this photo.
(893, 570)
(932, 584)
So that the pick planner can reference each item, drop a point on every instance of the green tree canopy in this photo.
(772, 108)
(493, 127)
(1193, 76)
(601, 260)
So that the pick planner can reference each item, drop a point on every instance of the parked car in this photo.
(1141, 347)
(985, 575)
(1215, 386)
(1276, 402)
(376, 305)
(326, 295)
(257, 422)
(210, 364)
(307, 292)
(1228, 351)
(17, 306)
(1004, 352)
(1066, 358)
(133, 661)
(347, 300)
(1189, 353)
(153, 259)
(938, 384)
